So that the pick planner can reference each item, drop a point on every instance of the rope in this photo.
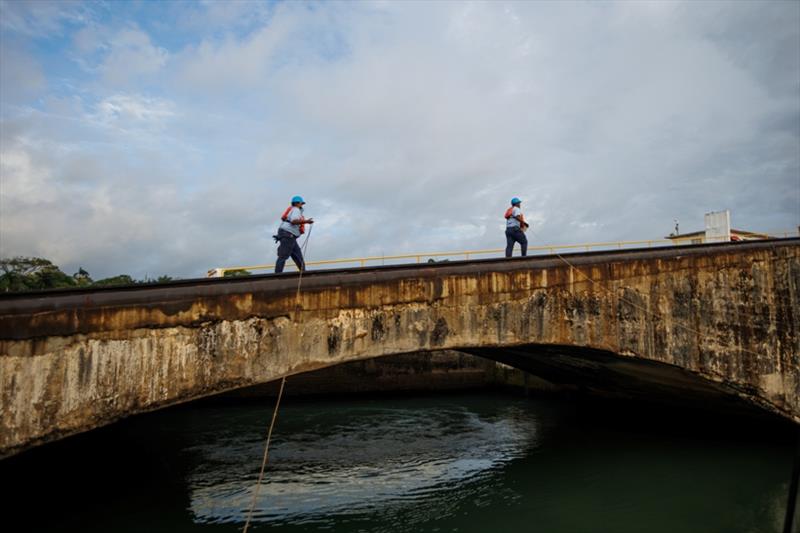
(297, 299)
(264, 459)
(635, 305)
(277, 402)
(300, 279)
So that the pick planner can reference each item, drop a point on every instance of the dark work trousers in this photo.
(515, 235)
(288, 247)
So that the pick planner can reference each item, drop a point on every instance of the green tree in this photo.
(82, 278)
(149, 281)
(32, 273)
(115, 281)
(236, 273)
(20, 274)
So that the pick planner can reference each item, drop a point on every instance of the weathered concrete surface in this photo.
(728, 314)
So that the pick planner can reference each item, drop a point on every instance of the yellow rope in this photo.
(297, 305)
(277, 402)
(264, 460)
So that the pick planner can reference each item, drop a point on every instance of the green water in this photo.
(477, 462)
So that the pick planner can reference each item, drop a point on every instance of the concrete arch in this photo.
(548, 368)
(621, 376)
(71, 361)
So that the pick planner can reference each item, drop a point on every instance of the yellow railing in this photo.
(783, 234)
(418, 257)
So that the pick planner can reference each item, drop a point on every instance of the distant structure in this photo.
(718, 229)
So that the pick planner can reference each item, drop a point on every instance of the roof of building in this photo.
(741, 232)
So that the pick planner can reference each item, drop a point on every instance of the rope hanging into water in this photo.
(265, 457)
(297, 306)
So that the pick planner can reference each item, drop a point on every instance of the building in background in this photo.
(718, 229)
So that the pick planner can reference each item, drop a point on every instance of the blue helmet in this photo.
(298, 200)
(515, 201)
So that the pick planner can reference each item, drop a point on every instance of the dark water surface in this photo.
(477, 462)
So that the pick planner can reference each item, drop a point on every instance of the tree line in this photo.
(21, 274)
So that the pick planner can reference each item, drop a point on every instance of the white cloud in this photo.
(120, 57)
(41, 18)
(211, 15)
(132, 55)
(23, 181)
(126, 111)
(407, 126)
(21, 75)
(233, 62)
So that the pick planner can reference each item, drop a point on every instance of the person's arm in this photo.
(521, 219)
(298, 219)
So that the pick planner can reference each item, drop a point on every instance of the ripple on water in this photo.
(388, 462)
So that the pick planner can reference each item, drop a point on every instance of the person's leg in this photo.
(523, 242)
(284, 251)
(297, 256)
(509, 243)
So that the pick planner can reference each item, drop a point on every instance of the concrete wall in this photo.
(726, 314)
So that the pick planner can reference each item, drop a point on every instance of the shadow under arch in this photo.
(607, 373)
(559, 368)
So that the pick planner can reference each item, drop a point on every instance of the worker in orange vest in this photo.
(515, 228)
(293, 224)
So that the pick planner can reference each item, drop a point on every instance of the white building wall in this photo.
(718, 226)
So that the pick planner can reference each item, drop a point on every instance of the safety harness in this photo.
(285, 218)
(522, 224)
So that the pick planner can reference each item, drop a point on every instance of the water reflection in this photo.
(386, 461)
(471, 463)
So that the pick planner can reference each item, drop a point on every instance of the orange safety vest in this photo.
(285, 218)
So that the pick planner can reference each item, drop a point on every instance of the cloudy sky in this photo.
(167, 137)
